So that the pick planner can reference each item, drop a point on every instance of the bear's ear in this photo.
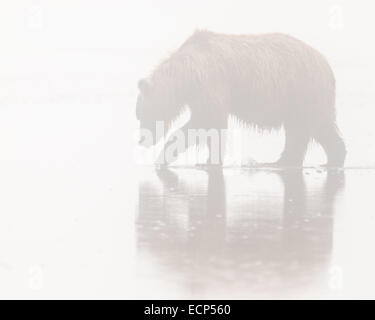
(144, 86)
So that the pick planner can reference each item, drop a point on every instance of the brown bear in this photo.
(268, 81)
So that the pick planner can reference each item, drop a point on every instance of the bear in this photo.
(268, 81)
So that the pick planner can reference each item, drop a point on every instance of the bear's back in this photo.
(270, 70)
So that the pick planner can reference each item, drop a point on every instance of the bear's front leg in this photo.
(216, 138)
(176, 144)
(216, 149)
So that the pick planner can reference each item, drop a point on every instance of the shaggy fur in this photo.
(267, 81)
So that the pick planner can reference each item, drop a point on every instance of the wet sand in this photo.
(75, 221)
(251, 233)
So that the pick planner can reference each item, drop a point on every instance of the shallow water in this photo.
(243, 233)
(80, 219)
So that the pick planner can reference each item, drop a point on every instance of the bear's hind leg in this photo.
(329, 137)
(297, 139)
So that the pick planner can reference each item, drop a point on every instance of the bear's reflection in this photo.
(252, 232)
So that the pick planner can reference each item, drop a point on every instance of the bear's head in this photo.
(155, 103)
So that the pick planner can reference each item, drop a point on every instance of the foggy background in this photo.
(68, 87)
